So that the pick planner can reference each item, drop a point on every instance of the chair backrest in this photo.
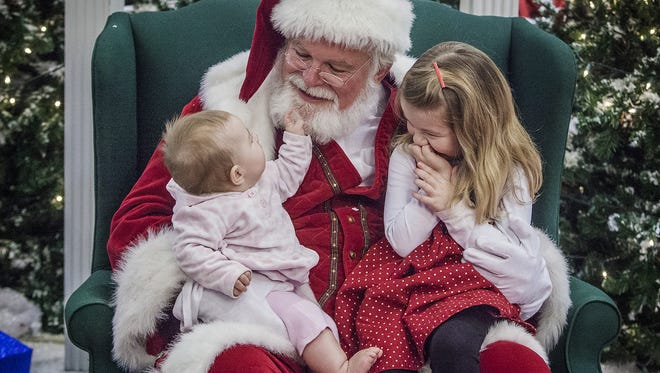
(146, 66)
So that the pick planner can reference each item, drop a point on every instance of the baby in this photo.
(233, 233)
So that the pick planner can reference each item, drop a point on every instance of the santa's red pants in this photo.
(498, 357)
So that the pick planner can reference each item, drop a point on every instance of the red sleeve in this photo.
(528, 8)
(148, 205)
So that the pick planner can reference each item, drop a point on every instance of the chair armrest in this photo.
(593, 323)
(88, 316)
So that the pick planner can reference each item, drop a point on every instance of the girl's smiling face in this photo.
(430, 127)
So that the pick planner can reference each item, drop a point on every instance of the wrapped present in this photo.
(15, 357)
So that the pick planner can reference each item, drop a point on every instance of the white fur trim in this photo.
(554, 312)
(508, 331)
(402, 63)
(221, 83)
(147, 280)
(195, 351)
(381, 24)
(219, 91)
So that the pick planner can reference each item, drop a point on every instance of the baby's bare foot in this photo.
(362, 361)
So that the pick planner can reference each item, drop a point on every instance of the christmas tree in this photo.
(610, 203)
(31, 153)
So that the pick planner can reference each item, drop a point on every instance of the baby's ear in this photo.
(236, 175)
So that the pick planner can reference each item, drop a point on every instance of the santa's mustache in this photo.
(297, 82)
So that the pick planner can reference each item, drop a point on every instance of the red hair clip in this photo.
(439, 74)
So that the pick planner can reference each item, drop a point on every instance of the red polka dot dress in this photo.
(395, 303)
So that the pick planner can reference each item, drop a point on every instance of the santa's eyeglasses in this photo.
(300, 63)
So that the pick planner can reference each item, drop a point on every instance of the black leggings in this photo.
(454, 346)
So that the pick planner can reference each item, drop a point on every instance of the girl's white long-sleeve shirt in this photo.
(408, 222)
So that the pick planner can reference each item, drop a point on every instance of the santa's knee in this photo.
(511, 357)
(248, 358)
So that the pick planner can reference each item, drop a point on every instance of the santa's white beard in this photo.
(325, 121)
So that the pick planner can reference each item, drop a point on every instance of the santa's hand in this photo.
(518, 270)
(242, 283)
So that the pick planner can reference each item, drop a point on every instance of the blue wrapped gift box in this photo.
(15, 357)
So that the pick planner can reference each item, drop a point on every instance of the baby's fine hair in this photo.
(482, 113)
(196, 152)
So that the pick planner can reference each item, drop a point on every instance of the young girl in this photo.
(464, 175)
(235, 241)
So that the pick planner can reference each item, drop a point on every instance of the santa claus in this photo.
(341, 59)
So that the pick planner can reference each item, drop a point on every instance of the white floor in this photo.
(47, 353)
(48, 356)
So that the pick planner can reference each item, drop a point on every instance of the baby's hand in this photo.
(294, 121)
(242, 283)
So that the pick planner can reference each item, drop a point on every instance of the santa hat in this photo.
(382, 25)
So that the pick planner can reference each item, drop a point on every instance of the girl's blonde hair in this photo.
(196, 153)
(481, 112)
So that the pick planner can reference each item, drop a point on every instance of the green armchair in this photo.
(147, 66)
